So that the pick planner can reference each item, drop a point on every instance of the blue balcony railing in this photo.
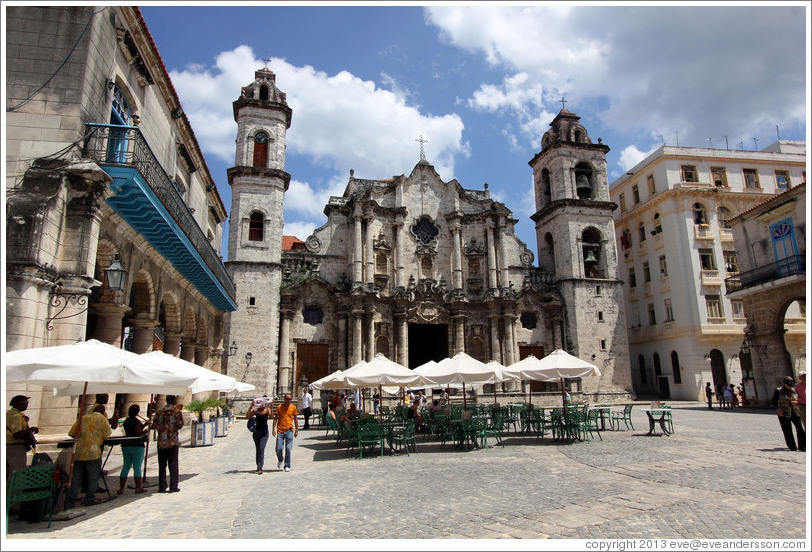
(124, 147)
(767, 273)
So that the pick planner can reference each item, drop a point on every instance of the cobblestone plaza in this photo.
(721, 475)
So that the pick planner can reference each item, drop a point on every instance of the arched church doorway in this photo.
(427, 342)
(718, 370)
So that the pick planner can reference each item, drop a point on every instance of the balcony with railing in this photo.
(767, 273)
(145, 197)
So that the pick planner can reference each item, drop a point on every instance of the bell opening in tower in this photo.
(427, 342)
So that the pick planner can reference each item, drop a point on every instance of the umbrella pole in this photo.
(529, 395)
(380, 402)
(564, 400)
(75, 440)
(464, 398)
(149, 432)
(494, 392)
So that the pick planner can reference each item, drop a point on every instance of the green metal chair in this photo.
(403, 439)
(625, 416)
(592, 423)
(32, 483)
(369, 435)
(494, 428)
(473, 431)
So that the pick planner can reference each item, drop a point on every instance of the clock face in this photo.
(261, 138)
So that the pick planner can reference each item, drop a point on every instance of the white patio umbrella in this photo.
(464, 369)
(242, 387)
(92, 367)
(321, 382)
(554, 367)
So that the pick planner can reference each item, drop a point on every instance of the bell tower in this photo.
(258, 183)
(576, 244)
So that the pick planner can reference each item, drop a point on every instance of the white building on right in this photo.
(675, 250)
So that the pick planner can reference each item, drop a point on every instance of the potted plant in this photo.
(221, 419)
(202, 432)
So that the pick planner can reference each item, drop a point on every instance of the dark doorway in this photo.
(718, 370)
(427, 342)
(311, 362)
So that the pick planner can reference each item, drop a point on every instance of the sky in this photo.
(481, 83)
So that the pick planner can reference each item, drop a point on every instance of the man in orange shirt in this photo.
(284, 422)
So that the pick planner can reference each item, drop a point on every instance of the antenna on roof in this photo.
(755, 141)
(727, 147)
(661, 138)
(711, 142)
(677, 133)
(777, 133)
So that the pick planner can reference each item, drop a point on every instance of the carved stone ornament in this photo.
(527, 257)
(428, 312)
(473, 248)
(313, 244)
(313, 315)
(381, 243)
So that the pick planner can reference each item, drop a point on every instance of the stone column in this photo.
(108, 322)
(399, 244)
(187, 350)
(496, 346)
(403, 339)
(342, 341)
(369, 254)
(370, 348)
(172, 343)
(357, 252)
(503, 261)
(215, 360)
(459, 333)
(510, 350)
(284, 349)
(201, 355)
(492, 280)
(143, 333)
(357, 337)
(456, 236)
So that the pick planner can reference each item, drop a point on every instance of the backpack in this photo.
(252, 424)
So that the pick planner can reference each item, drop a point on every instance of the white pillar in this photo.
(457, 268)
(357, 260)
(492, 282)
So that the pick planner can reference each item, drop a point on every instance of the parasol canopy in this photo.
(553, 367)
(379, 371)
(207, 380)
(103, 367)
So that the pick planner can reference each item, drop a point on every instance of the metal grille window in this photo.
(635, 195)
(700, 217)
(669, 311)
(714, 305)
(689, 173)
(750, 178)
(652, 188)
(719, 177)
(663, 267)
(425, 231)
(782, 180)
(641, 231)
(738, 309)
(652, 315)
(255, 227)
(731, 262)
(622, 201)
(646, 273)
(632, 278)
(723, 214)
(706, 260)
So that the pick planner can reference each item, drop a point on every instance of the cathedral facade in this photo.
(419, 269)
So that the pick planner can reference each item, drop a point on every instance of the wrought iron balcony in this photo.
(120, 150)
(767, 273)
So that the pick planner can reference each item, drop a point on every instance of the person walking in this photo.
(324, 398)
(19, 436)
(260, 432)
(307, 407)
(727, 392)
(87, 461)
(167, 422)
(709, 395)
(133, 454)
(284, 422)
(785, 401)
(800, 390)
(376, 401)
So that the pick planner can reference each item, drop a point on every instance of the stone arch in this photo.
(256, 226)
(263, 92)
(189, 327)
(585, 183)
(382, 346)
(142, 295)
(592, 256)
(547, 254)
(169, 312)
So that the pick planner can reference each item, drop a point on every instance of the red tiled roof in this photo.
(292, 243)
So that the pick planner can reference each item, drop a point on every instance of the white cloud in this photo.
(698, 70)
(631, 156)
(301, 230)
(339, 121)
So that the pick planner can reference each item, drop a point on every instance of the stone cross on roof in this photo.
(563, 101)
(266, 60)
(422, 151)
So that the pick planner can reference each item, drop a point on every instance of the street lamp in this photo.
(248, 356)
(115, 274)
(233, 349)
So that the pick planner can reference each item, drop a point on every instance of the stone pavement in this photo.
(721, 475)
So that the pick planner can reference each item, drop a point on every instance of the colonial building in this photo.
(103, 164)
(674, 231)
(770, 241)
(419, 268)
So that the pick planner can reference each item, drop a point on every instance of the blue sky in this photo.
(482, 83)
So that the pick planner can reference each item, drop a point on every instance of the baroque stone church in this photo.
(418, 268)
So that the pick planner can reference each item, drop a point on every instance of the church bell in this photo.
(590, 257)
(582, 186)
